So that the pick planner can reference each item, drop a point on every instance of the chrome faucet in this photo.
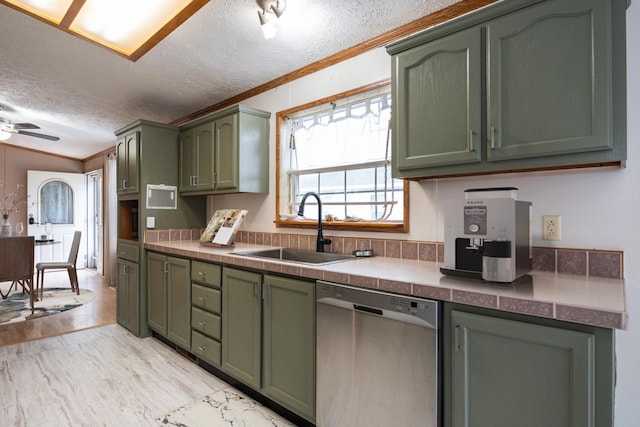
(320, 241)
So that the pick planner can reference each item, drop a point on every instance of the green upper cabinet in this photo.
(438, 103)
(127, 164)
(226, 152)
(525, 84)
(549, 80)
(196, 154)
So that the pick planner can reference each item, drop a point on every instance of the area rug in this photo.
(224, 408)
(16, 307)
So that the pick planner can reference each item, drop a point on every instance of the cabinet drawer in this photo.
(205, 322)
(205, 348)
(205, 273)
(206, 298)
(128, 251)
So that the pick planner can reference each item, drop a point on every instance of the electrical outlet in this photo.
(551, 227)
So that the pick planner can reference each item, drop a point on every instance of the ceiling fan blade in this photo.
(38, 135)
(18, 126)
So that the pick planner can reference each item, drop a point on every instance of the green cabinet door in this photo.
(226, 153)
(157, 292)
(127, 288)
(179, 301)
(506, 372)
(196, 158)
(549, 80)
(188, 150)
(169, 297)
(127, 163)
(437, 101)
(241, 325)
(289, 344)
(204, 157)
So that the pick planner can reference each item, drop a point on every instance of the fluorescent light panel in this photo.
(51, 10)
(121, 25)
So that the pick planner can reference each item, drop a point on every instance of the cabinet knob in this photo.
(201, 274)
(202, 348)
(202, 323)
(203, 299)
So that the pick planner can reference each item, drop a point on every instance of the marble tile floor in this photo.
(105, 376)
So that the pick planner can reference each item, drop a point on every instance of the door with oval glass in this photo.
(56, 208)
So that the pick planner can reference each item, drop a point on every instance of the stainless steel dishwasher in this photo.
(377, 359)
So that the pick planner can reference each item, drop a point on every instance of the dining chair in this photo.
(16, 264)
(69, 265)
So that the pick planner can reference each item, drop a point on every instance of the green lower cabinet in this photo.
(241, 333)
(268, 336)
(169, 297)
(511, 372)
(127, 310)
(289, 349)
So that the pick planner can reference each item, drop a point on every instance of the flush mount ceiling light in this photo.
(277, 8)
(128, 27)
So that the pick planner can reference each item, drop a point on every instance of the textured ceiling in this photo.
(83, 93)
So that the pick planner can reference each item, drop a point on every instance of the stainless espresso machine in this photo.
(487, 235)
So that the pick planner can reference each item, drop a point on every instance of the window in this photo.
(340, 149)
(56, 203)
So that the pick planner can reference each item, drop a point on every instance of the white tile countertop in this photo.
(580, 299)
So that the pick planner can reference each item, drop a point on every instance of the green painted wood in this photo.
(206, 323)
(235, 157)
(438, 102)
(289, 344)
(549, 80)
(188, 150)
(179, 301)
(206, 298)
(554, 80)
(157, 154)
(127, 163)
(157, 292)
(206, 348)
(127, 291)
(226, 153)
(206, 274)
(509, 369)
(241, 325)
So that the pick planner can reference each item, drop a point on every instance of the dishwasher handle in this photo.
(368, 309)
(426, 320)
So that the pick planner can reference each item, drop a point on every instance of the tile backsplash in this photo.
(583, 262)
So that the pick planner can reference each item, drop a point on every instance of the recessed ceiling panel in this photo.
(124, 25)
(51, 10)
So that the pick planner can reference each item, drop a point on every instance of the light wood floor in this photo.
(99, 312)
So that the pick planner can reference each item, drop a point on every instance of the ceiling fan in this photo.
(7, 128)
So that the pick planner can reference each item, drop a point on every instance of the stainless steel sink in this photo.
(298, 255)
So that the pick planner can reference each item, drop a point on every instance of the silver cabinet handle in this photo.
(203, 299)
(471, 144)
(202, 323)
(201, 274)
(493, 138)
(202, 348)
(124, 184)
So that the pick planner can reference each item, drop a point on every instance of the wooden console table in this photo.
(16, 263)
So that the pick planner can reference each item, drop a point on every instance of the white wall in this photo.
(600, 208)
